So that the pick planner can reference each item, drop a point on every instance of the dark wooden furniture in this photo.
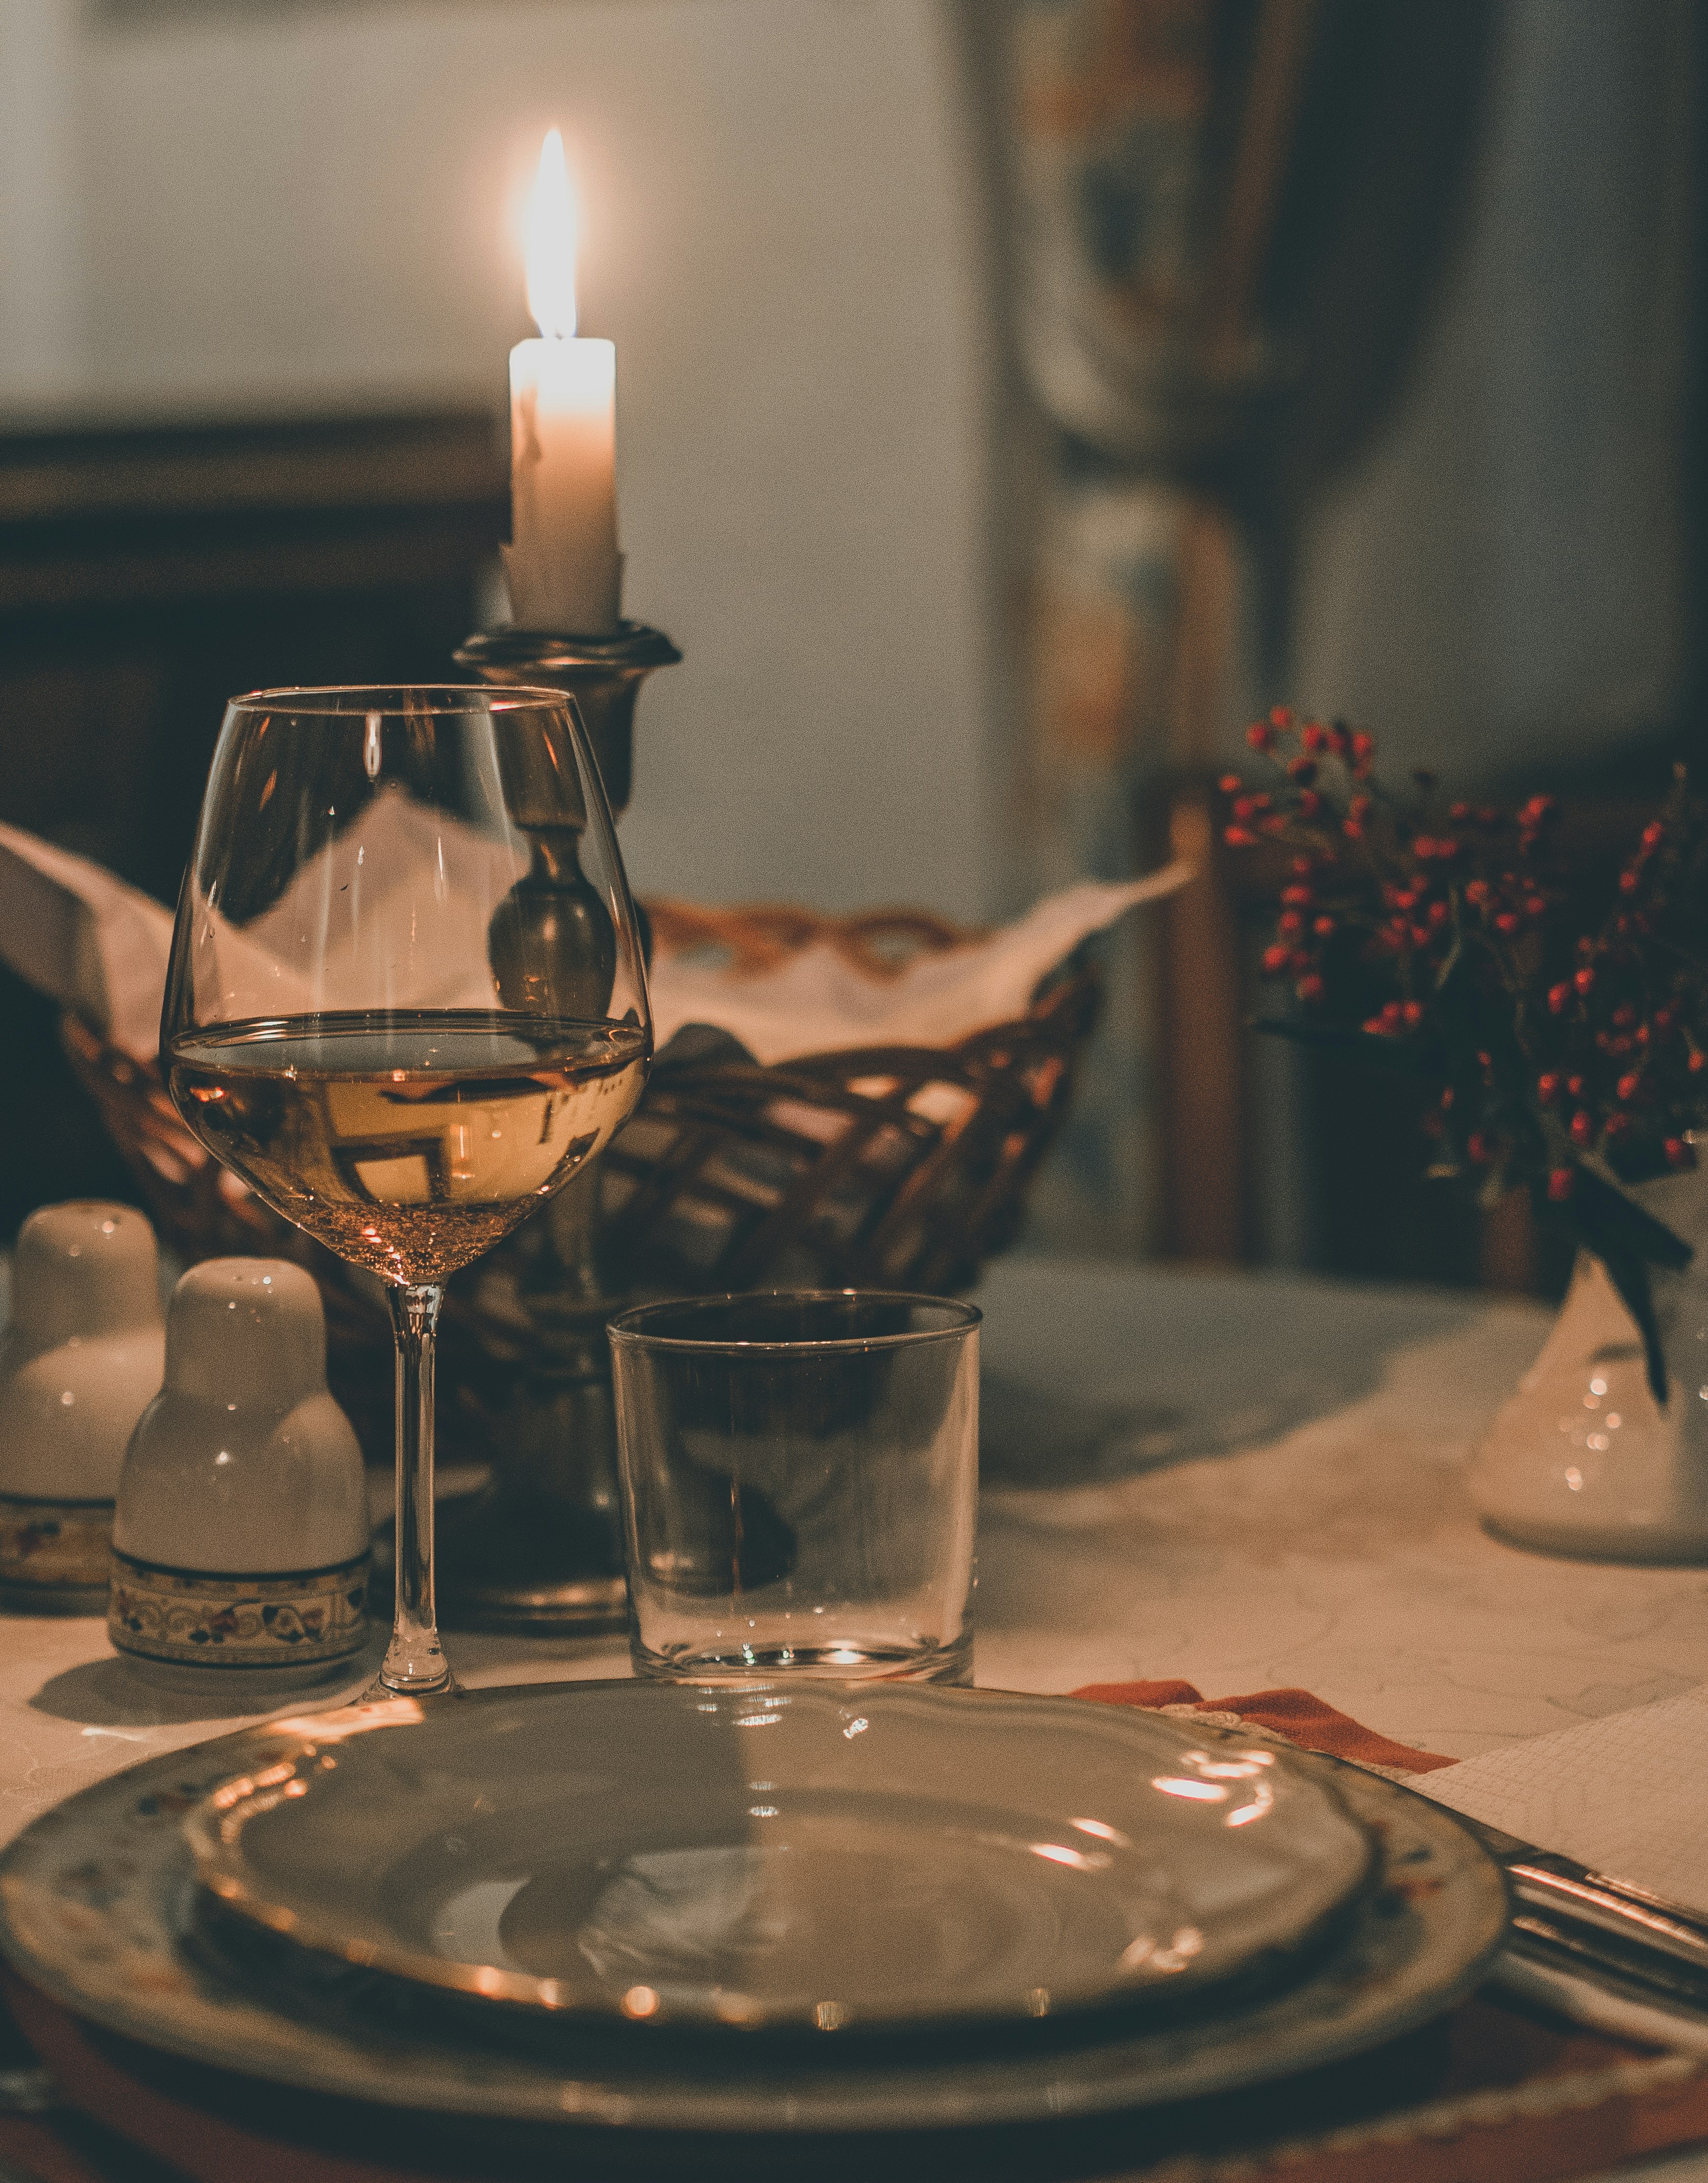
(147, 574)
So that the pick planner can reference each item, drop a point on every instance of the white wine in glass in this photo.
(405, 1003)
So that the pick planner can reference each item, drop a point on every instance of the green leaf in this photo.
(1629, 1274)
(1494, 1189)
(1606, 1215)
(1627, 1241)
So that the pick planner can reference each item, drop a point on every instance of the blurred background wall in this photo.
(1014, 394)
(1363, 343)
(1507, 578)
(241, 209)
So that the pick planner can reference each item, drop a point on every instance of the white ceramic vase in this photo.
(79, 1359)
(242, 1537)
(1582, 1460)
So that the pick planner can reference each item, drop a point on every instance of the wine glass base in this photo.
(379, 1689)
(414, 1666)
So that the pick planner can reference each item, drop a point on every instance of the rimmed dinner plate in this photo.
(99, 1907)
(803, 1856)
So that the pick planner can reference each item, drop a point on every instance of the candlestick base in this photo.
(538, 1550)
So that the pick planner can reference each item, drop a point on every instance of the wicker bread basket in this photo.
(898, 1166)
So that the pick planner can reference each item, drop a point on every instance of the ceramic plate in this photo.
(98, 1907)
(819, 1857)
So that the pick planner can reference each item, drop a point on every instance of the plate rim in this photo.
(213, 1830)
(435, 2080)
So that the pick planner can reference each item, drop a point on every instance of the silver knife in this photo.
(1564, 1888)
(1601, 1922)
(1635, 1973)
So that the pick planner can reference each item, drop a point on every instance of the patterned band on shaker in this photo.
(52, 1543)
(237, 1621)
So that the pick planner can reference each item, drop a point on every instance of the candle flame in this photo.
(549, 226)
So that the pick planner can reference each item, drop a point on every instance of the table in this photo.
(1340, 1552)
(1242, 1479)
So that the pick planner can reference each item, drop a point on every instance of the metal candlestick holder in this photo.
(539, 1549)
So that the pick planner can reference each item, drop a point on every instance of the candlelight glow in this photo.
(549, 228)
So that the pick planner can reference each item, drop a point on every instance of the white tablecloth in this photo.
(1328, 1543)
(1242, 1481)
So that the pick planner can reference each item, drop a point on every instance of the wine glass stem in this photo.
(415, 1661)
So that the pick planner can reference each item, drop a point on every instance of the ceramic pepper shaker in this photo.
(80, 1360)
(242, 1537)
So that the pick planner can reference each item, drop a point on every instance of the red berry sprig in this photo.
(1549, 1046)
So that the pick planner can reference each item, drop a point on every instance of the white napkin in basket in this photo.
(817, 1002)
(100, 949)
(91, 942)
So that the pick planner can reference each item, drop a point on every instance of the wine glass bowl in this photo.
(406, 1141)
(405, 1001)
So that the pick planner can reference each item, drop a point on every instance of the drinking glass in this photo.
(800, 1478)
(405, 1003)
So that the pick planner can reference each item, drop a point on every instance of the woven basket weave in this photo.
(898, 1166)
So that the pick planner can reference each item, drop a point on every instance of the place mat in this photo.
(1493, 2093)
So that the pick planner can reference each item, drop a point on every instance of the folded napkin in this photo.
(91, 942)
(100, 949)
(1627, 1794)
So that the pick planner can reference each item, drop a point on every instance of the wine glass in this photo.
(406, 1003)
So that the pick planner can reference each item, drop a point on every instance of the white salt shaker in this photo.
(79, 1361)
(241, 1538)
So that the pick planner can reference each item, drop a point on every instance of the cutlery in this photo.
(1597, 1924)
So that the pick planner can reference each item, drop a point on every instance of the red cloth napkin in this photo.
(1298, 1715)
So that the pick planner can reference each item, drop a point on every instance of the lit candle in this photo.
(565, 569)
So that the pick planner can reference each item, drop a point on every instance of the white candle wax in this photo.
(564, 569)
(565, 572)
